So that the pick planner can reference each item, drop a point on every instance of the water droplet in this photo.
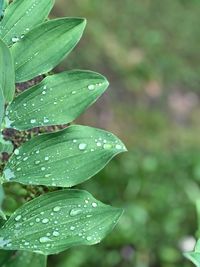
(18, 218)
(55, 233)
(72, 228)
(15, 39)
(33, 121)
(46, 120)
(99, 144)
(16, 152)
(82, 146)
(118, 147)
(57, 208)
(45, 220)
(75, 212)
(94, 205)
(43, 168)
(107, 146)
(91, 87)
(44, 239)
(89, 238)
(37, 162)
(46, 158)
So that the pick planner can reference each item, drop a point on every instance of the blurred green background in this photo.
(149, 51)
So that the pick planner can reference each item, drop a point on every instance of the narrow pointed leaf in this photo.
(45, 46)
(1, 106)
(2, 215)
(21, 16)
(7, 73)
(194, 257)
(5, 146)
(26, 259)
(57, 221)
(64, 158)
(58, 99)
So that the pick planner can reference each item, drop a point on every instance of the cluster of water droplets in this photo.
(56, 167)
(43, 230)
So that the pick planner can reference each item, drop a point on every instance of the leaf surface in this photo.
(45, 46)
(57, 221)
(21, 16)
(58, 99)
(5, 146)
(7, 72)
(64, 158)
(1, 106)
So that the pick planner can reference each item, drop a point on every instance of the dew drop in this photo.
(82, 146)
(75, 212)
(55, 233)
(91, 87)
(18, 218)
(16, 152)
(99, 144)
(44, 239)
(57, 208)
(94, 205)
(45, 220)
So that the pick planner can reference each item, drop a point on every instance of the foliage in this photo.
(30, 46)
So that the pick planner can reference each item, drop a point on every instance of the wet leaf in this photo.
(58, 99)
(21, 16)
(2, 215)
(194, 257)
(45, 46)
(57, 221)
(7, 73)
(26, 259)
(64, 158)
(1, 106)
(1, 195)
(5, 146)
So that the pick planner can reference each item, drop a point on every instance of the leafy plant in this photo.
(31, 46)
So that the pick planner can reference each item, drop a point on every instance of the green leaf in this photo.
(57, 221)
(194, 257)
(26, 259)
(7, 73)
(58, 99)
(21, 16)
(64, 158)
(45, 46)
(3, 5)
(2, 215)
(1, 195)
(2, 102)
(5, 146)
